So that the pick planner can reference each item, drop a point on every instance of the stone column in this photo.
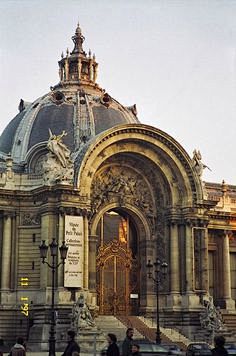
(93, 239)
(66, 69)
(174, 259)
(14, 250)
(226, 267)
(226, 280)
(6, 253)
(61, 237)
(79, 68)
(86, 252)
(188, 258)
(48, 225)
(147, 293)
(204, 260)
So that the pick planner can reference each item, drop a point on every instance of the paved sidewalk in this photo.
(45, 353)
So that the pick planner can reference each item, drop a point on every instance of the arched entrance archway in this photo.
(117, 264)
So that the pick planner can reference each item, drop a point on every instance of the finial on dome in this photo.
(78, 40)
(67, 52)
(89, 53)
(62, 54)
(224, 187)
(94, 57)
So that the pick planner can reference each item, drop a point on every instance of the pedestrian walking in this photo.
(219, 349)
(1, 347)
(128, 342)
(19, 348)
(135, 350)
(72, 347)
(113, 349)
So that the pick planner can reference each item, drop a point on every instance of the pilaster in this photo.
(6, 253)
(86, 253)
(93, 239)
(174, 259)
(188, 258)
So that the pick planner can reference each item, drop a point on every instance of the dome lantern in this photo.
(76, 67)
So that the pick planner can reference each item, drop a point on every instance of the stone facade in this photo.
(96, 158)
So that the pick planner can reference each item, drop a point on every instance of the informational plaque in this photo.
(74, 239)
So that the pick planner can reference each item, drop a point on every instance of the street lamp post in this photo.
(43, 255)
(159, 274)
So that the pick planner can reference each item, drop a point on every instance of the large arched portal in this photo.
(117, 263)
(142, 181)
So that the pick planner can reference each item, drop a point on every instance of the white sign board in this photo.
(74, 239)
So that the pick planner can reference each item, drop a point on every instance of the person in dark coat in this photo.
(219, 349)
(1, 347)
(72, 346)
(135, 350)
(128, 342)
(113, 349)
(18, 349)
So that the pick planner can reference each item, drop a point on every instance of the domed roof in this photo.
(76, 105)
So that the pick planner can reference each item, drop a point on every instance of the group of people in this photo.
(129, 347)
(18, 349)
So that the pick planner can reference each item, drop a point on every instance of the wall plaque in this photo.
(74, 238)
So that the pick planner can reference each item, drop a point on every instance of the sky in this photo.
(174, 59)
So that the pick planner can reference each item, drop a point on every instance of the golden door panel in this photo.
(114, 262)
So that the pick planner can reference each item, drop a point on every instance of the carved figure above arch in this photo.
(122, 184)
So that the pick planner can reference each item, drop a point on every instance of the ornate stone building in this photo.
(78, 166)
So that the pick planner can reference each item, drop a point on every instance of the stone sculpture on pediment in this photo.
(59, 149)
(197, 162)
(58, 166)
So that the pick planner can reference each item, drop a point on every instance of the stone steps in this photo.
(111, 324)
(172, 334)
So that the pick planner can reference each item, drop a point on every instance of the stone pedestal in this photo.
(174, 300)
(91, 340)
(190, 301)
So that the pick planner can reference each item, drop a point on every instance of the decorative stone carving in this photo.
(211, 318)
(159, 223)
(57, 166)
(30, 219)
(197, 162)
(124, 185)
(81, 317)
(59, 149)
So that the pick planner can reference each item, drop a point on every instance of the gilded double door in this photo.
(117, 279)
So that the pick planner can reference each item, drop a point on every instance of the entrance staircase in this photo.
(230, 321)
(147, 328)
(111, 324)
(144, 328)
